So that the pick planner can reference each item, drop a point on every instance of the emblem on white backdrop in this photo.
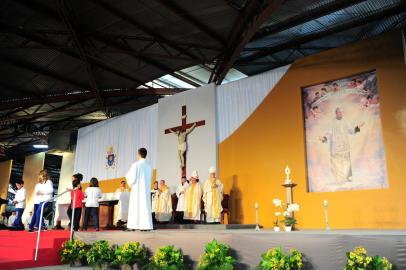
(111, 158)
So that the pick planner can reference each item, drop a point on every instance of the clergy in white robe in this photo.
(193, 198)
(337, 137)
(121, 209)
(180, 193)
(163, 211)
(212, 197)
(139, 180)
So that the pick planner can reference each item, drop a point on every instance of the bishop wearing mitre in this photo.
(212, 197)
(193, 198)
(163, 212)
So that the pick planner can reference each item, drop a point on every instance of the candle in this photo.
(256, 205)
(325, 203)
(287, 172)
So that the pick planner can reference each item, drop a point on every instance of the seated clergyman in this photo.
(123, 187)
(163, 211)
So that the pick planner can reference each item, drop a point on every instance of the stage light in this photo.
(40, 146)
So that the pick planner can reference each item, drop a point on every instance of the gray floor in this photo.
(324, 250)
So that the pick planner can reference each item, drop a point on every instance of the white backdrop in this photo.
(126, 133)
(237, 100)
(202, 151)
(225, 108)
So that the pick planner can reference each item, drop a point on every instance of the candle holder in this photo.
(256, 217)
(289, 185)
(325, 205)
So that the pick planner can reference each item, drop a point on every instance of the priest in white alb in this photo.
(212, 197)
(139, 180)
(180, 193)
(193, 198)
(163, 211)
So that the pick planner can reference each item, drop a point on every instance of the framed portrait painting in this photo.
(343, 134)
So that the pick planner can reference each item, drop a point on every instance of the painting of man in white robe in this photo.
(344, 142)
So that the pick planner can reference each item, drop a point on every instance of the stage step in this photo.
(17, 249)
(206, 226)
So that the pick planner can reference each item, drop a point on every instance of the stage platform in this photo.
(324, 250)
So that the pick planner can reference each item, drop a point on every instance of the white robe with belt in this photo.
(139, 210)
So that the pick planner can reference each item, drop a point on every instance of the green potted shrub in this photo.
(216, 257)
(129, 254)
(358, 259)
(276, 259)
(289, 223)
(100, 254)
(73, 252)
(167, 258)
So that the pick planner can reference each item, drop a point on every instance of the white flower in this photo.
(294, 207)
(286, 214)
(277, 214)
(277, 202)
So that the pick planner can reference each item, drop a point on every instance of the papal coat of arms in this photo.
(111, 158)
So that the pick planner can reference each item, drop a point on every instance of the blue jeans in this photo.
(33, 218)
(94, 213)
(36, 216)
(18, 222)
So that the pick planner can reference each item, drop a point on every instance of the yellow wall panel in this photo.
(252, 160)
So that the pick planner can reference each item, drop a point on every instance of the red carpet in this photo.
(17, 249)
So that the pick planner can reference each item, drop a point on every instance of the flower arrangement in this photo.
(358, 259)
(276, 259)
(73, 252)
(100, 253)
(216, 257)
(167, 258)
(289, 220)
(129, 254)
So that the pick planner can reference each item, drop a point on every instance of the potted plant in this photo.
(289, 220)
(276, 227)
(275, 258)
(358, 259)
(167, 258)
(216, 257)
(73, 252)
(100, 254)
(129, 254)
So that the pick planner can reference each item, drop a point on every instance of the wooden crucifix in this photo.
(181, 132)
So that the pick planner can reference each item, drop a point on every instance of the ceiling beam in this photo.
(146, 60)
(38, 69)
(87, 95)
(46, 32)
(359, 21)
(181, 12)
(17, 89)
(28, 120)
(108, 6)
(255, 20)
(66, 14)
(50, 13)
(27, 34)
(304, 17)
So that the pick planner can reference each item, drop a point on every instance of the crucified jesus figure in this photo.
(182, 143)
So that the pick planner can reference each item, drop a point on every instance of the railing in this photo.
(42, 213)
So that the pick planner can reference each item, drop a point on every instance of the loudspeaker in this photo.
(60, 140)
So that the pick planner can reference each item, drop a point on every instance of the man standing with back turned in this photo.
(139, 179)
